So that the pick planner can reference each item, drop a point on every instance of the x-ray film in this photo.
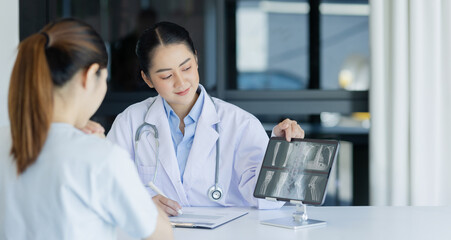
(296, 170)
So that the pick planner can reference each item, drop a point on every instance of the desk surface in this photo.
(342, 223)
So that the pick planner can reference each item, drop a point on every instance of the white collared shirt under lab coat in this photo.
(243, 142)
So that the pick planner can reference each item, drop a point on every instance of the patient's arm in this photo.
(163, 229)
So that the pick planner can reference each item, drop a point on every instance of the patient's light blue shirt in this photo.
(80, 187)
(182, 143)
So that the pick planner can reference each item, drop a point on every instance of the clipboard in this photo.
(205, 217)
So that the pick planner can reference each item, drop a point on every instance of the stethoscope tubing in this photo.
(140, 131)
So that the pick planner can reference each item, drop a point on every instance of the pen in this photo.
(158, 191)
(187, 225)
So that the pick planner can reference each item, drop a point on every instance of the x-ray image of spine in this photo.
(280, 183)
(295, 158)
(300, 187)
(276, 150)
(268, 177)
(290, 188)
(295, 187)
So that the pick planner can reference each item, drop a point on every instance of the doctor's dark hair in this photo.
(46, 60)
(162, 33)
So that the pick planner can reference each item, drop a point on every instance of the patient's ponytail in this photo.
(30, 101)
(45, 61)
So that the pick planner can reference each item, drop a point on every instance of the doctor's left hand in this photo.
(289, 129)
(92, 127)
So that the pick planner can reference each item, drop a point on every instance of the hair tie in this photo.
(47, 39)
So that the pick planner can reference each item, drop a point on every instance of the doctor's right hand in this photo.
(95, 128)
(169, 206)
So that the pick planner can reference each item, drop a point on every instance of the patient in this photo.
(57, 182)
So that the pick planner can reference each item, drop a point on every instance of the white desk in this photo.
(348, 223)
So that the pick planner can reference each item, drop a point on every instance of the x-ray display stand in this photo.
(298, 220)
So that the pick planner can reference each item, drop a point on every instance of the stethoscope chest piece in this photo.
(215, 193)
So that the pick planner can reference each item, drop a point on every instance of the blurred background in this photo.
(308, 60)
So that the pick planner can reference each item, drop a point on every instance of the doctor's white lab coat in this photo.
(242, 140)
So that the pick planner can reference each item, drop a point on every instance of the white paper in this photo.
(202, 217)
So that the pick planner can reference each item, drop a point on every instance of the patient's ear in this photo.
(146, 79)
(90, 76)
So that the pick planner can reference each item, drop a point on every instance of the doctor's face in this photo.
(173, 73)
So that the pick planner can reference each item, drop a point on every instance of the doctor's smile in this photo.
(183, 93)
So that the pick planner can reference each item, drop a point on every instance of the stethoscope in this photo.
(214, 192)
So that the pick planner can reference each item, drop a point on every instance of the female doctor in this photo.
(197, 150)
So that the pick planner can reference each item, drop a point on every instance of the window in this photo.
(272, 45)
(344, 45)
(298, 44)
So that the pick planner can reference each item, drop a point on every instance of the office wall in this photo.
(9, 25)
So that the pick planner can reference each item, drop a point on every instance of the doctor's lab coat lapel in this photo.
(157, 116)
(204, 142)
